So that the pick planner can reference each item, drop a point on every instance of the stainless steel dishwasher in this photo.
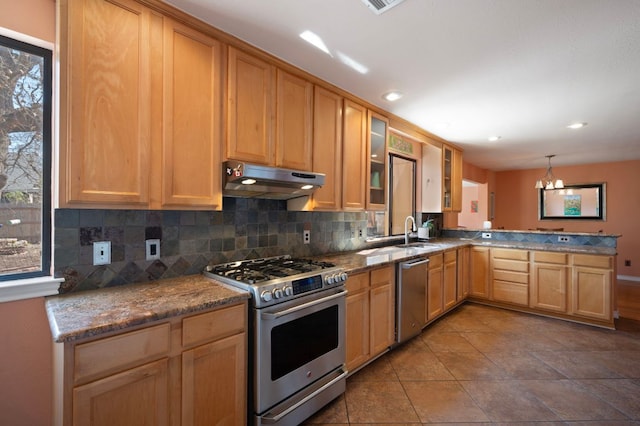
(411, 298)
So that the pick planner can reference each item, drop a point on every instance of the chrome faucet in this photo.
(406, 230)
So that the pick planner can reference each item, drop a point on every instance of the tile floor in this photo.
(483, 365)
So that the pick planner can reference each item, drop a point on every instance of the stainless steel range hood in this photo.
(257, 181)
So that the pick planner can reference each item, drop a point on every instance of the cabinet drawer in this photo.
(510, 292)
(435, 261)
(113, 354)
(550, 257)
(498, 253)
(516, 277)
(593, 260)
(357, 282)
(450, 256)
(382, 276)
(510, 265)
(214, 325)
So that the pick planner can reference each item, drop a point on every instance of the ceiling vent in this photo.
(380, 6)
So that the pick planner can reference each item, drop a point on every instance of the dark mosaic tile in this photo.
(154, 218)
(71, 279)
(193, 232)
(117, 252)
(170, 218)
(170, 233)
(180, 266)
(263, 240)
(228, 244)
(90, 234)
(252, 241)
(99, 278)
(115, 234)
(228, 218)
(90, 218)
(187, 218)
(66, 218)
(156, 269)
(228, 203)
(202, 218)
(153, 233)
(133, 234)
(124, 218)
(187, 246)
(169, 248)
(130, 271)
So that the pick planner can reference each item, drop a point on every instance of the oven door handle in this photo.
(279, 416)
(279, 314)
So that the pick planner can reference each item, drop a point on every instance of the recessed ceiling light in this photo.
(576, 125)
(493, 138)
(314, 39)
(392, 96)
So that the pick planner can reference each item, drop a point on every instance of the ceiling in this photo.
(469, 69)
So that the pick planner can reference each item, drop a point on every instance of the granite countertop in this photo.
(359, 261)
(90, 313)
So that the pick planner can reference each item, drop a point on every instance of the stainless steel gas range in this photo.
(297, 335)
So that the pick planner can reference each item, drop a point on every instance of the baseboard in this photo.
(628, 278)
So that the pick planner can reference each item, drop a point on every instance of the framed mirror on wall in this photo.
(573, 202)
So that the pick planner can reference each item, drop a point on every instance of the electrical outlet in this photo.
(627, 262)
(306, 236)
(564, 239)
(486, 235)
(152, 249)
(359, 232)
(102, 252)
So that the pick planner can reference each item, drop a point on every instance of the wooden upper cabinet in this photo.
(250, 108)
(456, 181)
(105, 85)
(451, 179)
(377, 161)
(327, 148)
(191, 153)
(354, 151)
(294, 121)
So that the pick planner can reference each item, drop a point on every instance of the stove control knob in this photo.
(328, 279)
(265, 296)
(343, 276)
(288, 290)
(277, 293)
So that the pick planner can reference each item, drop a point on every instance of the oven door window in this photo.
(297, 342)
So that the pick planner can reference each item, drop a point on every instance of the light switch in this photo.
(102, 252)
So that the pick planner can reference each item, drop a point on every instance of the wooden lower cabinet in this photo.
(370, 315)
(479, 266)
(213, 383)
(450, 279)
(183, 371)
(591, 287)
(463, 273)
(138, 396)
(435, 288)
(549, 290)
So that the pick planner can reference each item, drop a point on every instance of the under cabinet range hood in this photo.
(258, 181)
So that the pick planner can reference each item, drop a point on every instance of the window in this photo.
(25, 159)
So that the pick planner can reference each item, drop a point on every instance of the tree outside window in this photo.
(25, 159)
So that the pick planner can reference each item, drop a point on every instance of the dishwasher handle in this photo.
(409, 265)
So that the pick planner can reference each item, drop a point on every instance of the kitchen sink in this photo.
(419, 244)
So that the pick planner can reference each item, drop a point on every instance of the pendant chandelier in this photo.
(549, 181)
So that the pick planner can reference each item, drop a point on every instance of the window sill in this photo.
(29, 288)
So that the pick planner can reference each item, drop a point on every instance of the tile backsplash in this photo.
(189, 240)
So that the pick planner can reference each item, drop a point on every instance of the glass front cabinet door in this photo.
(377, 155)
